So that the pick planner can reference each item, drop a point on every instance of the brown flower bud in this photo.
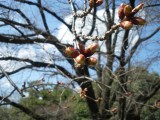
(126, 24)
(91, 49)
(80, 59)
(83, 93)
(114, 110)
(138, 21)
(137, 8)
(128, 11)
(121, 11)
(91, 3)
(91, 61)
(157, 104)
(81, 48)
(97, 2)
(71, 52)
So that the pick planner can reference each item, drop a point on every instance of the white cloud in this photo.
(67, 37)
(26, 52)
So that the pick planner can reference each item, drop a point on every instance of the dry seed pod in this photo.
(126, 25)
(121, 11)
(138, 21)
(71, 52)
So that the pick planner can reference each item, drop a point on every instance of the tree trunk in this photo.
(132, 115)
(90, 99)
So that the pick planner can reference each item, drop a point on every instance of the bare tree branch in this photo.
(7, 96)
(139, 41)
(144, 98)
(151, 35)
(10, 81)
(93, 21)
(152, 5)
(43, 17)
(17, 70)
(40, 64)
(7, 21)
(47, 10)
(52, 40)
(18, 11)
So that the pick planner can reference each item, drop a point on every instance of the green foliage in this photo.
(59, 102)
(151, 112)
(79, 109)
(52, 102)
(141, 83)
(141, 80)
(11, 113)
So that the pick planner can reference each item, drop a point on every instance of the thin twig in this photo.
(7, 96)
(101, 38)
(11, 82)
